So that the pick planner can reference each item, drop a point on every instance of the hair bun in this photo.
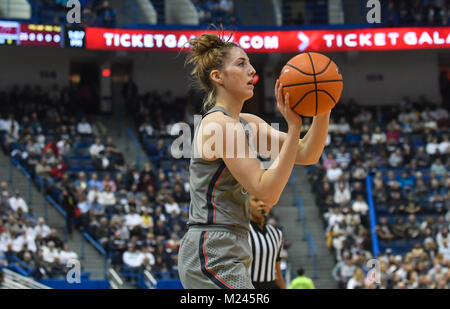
(204, 43)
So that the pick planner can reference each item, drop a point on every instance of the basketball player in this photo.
(215, 251)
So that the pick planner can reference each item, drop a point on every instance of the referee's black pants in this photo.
(265, 285)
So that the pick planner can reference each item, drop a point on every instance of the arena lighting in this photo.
(276, 41)
(106, 72)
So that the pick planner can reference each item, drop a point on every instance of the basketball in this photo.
(314, 83)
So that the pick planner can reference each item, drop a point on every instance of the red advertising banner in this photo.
(276, 41)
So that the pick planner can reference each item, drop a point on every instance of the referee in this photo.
(266, 242)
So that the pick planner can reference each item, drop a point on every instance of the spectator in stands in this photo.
(444, 145)
(360, 206)
(63, 146)
(96, 148)
(171, 206)
(50, 252)
(12, 127)
(406, 181)
(422, 158)
(149, 259)
(16, 202)
(412, 227)
(379, 193)
(396, 200)
(133, 219)
(84, 128)
(432, 147)
(342, 194)
(52, 237)
(106, 15)
(437, 203)
(396, 158)
(65, 255)
(334, 173)
(160, 268)
(411, 206)
(343, 271)
(442, 235)
(161, 229)
(328, 161)
(146, 128)
(94, 181)
(69, 205)
(438, 167)
(57, 171)
(102, 232)
(358, 171)
(117, 247)
(41, 228)
(357, 280)
(97, 208)
(384, 231)
(147, 221)
(343, 127)
(113, 154)
(108, 182)
(343, 158)
(133, 259)
(107, 199)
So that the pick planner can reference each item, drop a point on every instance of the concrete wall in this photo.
(376, 78)
(37, 65)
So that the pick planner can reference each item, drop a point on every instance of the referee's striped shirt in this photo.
(266, 248)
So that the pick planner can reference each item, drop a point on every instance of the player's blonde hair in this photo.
(208, 53)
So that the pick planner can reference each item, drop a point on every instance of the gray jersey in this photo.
(216, 196)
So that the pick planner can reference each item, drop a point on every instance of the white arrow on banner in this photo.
(305, 41)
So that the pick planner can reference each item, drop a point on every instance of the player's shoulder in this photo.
(251, 118)
(219, 118)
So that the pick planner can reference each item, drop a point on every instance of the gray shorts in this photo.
(215, 258)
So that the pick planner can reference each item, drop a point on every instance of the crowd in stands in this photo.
(137, 214)
(99, 13)
(416, 13)
(94, 13)
(394, 13)
(216, 11)
(28, 245)
(409, 166)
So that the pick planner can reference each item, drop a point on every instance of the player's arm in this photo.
(268, 184)
(309, 148)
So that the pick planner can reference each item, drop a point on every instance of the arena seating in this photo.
(411, 217)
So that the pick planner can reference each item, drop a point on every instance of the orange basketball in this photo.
(314, 83)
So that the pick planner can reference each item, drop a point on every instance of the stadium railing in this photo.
(372, 215)
(301, 217)
(99, 249)
(312, 253)
(30, 179)
(85, 235)
(137, 145)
